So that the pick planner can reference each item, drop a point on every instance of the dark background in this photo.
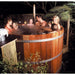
(9, 8)
(22, 7)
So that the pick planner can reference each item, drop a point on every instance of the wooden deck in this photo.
(65, 49)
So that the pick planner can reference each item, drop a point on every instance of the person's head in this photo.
(31, 21)
(39, 18)
(56, 20)
(9, 21)
(15, 25)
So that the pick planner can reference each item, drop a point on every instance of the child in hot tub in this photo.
(55, 25)
(30, 24)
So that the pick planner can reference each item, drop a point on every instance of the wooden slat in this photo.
(32, 45)
(37, 46)
(49, 48)
(59, 50)
(9, 52)
(68, 30)
(20, 48)
(32, 50)
(20, 51)
(61, 47)
(56, 51)
(43, 47)
(26, 47)
(53, 53)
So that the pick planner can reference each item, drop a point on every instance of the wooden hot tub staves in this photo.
(48, 45)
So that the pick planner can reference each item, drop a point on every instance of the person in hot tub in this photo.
(16, 28)
(9, 26)
(15, 25)
(40, 21)
(55, 23)
(30, 24)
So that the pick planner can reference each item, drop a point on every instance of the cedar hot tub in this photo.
(48, 45)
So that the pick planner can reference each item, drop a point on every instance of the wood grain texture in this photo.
(26, 48)
(46, 50)
(32, 46)
(49, 48)
(9, 52)
(53, 54)
(43, 47)
(56, 51)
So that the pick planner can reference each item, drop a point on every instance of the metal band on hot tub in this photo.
(48, 60)
(42, 40)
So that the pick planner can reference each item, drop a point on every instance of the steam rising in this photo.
(28, 30)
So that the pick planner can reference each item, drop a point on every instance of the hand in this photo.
(55, 27)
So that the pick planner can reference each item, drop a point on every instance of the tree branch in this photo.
(55, 3)
(29, 4)
(44, 7)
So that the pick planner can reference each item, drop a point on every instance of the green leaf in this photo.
(25, 65)
(21, 63)
(32, 71)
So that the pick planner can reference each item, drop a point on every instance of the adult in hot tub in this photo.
(40, 21)
(30, 24)
(9, 26)
(16, 28)
(15, 25)
(6, 31)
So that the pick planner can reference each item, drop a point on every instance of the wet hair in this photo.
(56, 17)
(39, 16)
(16, 23)
(9, 19)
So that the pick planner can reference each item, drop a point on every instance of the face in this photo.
(10, 22)
(56, 20)
(15, 26)
(31, 21)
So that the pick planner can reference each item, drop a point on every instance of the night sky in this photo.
(22, 7)
(8, 8)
